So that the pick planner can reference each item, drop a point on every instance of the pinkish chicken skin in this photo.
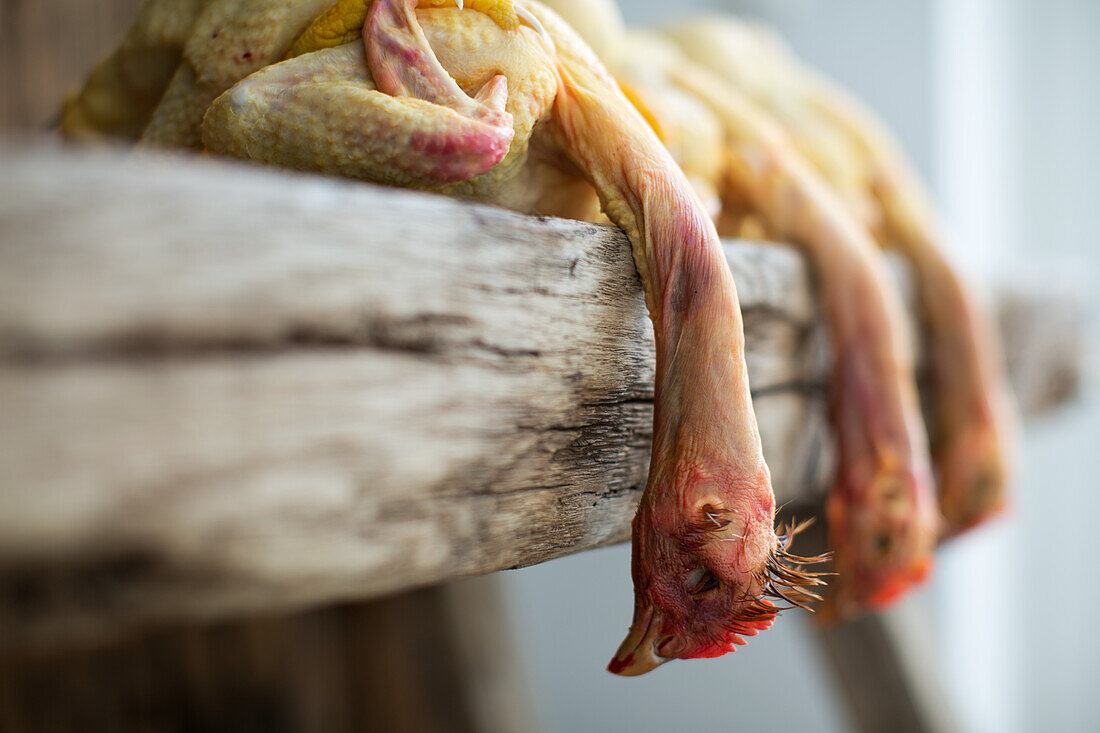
(403, 65)
(973, 419)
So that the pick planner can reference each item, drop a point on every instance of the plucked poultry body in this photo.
(499, 102)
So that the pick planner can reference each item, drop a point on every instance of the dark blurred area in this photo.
(46, 48)
(427, 660)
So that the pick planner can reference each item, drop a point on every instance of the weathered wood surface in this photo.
(230, 390)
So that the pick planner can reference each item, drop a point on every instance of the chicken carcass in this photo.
(502, 102)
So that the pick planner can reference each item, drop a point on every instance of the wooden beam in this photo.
(230, 390)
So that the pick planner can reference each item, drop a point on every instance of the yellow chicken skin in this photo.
(686, 126)
(973, 421)
(882, 516)
(469, 103)
(176, 58)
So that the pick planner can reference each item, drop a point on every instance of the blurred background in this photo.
(996, 102)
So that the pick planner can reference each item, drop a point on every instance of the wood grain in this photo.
(231, 390)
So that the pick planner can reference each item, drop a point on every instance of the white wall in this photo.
(1017, 163)
(1055, 209)
(974, 160)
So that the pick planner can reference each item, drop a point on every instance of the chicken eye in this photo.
(985, 485)
(700, 581)
(695, 577)
(883, 543)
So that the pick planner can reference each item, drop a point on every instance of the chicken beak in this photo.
(638, 652)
